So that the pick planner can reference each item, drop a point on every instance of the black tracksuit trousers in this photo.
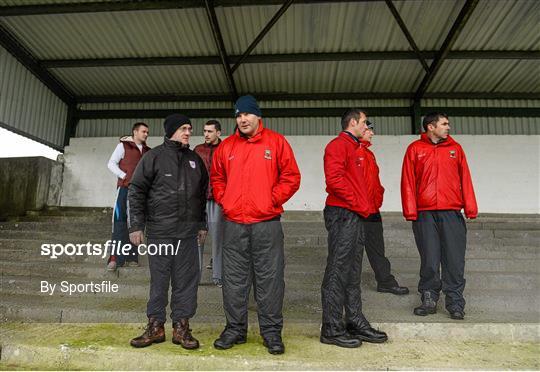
(441, 238)
(253, 254)
(341, 284)
(375, 251)
(181, 271)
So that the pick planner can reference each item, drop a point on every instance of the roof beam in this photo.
(308, 112)
(10, 43)
(447, 44)
(286, 58)
(407, 34)
(302, 97)
(218, 38)
(225, 98)
(130, 5)
(30, 136)
(262, 34)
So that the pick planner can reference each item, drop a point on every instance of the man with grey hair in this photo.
(167, 200)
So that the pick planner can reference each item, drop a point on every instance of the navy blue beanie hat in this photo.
(247, 104)
(173, 122)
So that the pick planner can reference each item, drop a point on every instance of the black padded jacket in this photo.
(167, 193)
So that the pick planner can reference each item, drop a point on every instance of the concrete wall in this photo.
(28, 184)
(505, 171)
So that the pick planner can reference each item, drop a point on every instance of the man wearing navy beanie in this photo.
(253, 174)
(167, 200)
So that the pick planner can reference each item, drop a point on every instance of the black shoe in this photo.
(366, 332)
(397, 290)
(274, 344)
(228, 340)
(457, 314)
(344, 340)
(429, 305)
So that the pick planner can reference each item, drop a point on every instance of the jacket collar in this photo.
(348, 136)
(210, 145)
(174, 145)
(129, 140)
(366, 144)
(445, 142)
(256, 137)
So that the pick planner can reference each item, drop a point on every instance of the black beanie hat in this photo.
(247, 104)
(370, 125)
(173, 122)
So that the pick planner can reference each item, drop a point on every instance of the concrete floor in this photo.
(501, 329)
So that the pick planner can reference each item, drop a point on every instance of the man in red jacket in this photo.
(253, 174)
(214, 214)
(435, 185)
(122, 164)
(386, 282)
(347, 205)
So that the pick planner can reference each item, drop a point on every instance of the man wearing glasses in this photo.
(167, 198)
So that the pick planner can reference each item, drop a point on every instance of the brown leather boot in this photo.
(154, 333)
(182, 335)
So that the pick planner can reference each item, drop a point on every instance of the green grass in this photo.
(106, 346)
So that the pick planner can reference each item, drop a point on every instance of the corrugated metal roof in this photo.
(39, 2)
(143, 80)
(531, 103)
(343, 76)
(285, 126)
(27, 105)
(487, 76)
(345, 26)
(156, 33)
(501, 126)
(502, 24)
(321, 126)
(263, 104)
(304, 28)
(325, 27)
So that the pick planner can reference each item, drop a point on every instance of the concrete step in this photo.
(209, 297)
(399, 237)
(84, 224)
(307, 274)
(300, 306)
(411, 347)
(403, 262)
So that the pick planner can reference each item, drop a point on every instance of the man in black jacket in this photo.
(167, 197)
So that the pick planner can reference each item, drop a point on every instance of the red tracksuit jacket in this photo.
(436, 177)
(253, 177)
(344, 169)
(371, 174)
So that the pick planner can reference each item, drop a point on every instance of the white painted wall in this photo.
(505, 171)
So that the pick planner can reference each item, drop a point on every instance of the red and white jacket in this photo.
(253, 177)
(436, 177)
(371, 174)
(345, 169)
